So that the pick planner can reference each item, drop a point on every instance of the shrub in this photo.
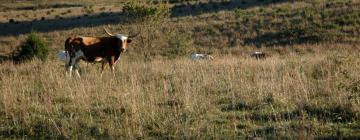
(11, 20)
(178, 46)
(150, 19)
(33, 47)
(136, 10)
(88, 9)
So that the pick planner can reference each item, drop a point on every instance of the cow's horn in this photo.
(134, 35)
(107, 32)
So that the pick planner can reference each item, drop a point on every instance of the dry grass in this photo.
(300, 91)
(282, 96)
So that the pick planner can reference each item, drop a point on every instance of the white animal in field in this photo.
(198, 56)
(258, 55)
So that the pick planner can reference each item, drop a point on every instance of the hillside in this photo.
(219, 25)
(308, 87)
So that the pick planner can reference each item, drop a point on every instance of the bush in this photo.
(150, 19)
(11, 20)
(178, 46)
(137, 10)
(33, 47)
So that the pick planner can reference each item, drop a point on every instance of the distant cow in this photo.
(196, 56)
(94, 49)
(258, 55)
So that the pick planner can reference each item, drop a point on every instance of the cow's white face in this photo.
(124, 41)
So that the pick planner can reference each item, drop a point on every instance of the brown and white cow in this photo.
(95, 49)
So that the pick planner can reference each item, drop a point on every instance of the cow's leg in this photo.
(67, 63)
(66, 68)
(103, 66)
(76, 68)
(111, 64)
(69, 67)
(73, 60)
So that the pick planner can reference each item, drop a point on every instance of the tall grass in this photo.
(230, 97)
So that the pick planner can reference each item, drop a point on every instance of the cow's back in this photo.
(94, 47)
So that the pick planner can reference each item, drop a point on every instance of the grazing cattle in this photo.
(95, 49)
(258, 55)
(196, 56)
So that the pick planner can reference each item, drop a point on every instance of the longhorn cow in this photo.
(95, 49)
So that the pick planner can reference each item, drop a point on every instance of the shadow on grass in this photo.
(282, 38)
(40, 6)
(65, 23)
(45, 6)
(60, 23)
(194, 9)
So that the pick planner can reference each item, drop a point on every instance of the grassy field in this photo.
(307, 88)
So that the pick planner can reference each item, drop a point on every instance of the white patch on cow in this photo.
(122, 37)
(98, 59)
(70, 69)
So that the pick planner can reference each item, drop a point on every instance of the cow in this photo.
(258, 55)
(95, 49)
(197, 56)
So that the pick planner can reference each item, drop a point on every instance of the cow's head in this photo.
(123, 39)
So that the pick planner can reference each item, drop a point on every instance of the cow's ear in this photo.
(128, 40)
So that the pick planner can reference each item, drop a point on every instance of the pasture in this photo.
(308, 86)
